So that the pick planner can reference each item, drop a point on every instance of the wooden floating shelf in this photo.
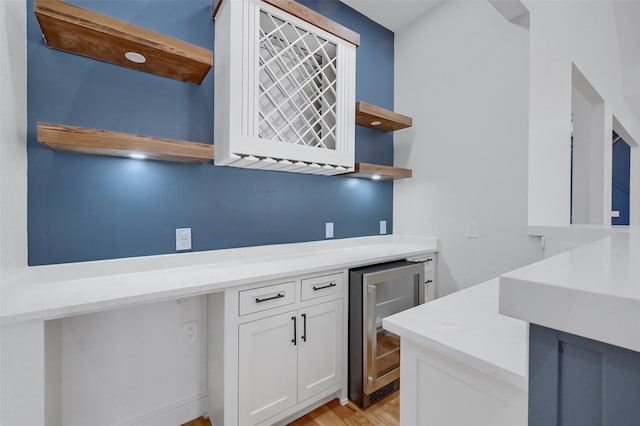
(308, 15)
(380, 119)
(102, 142)
(377, 171)
(83, 32)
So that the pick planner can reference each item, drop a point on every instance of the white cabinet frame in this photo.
(313, 137)
(230, 332)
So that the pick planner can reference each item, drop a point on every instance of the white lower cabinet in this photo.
(288, 358)
(266, 356)
(320, 349)
(284, 349)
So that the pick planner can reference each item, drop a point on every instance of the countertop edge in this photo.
(29, 299)
(402, 325)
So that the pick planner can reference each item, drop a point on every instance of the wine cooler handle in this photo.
(372, 338)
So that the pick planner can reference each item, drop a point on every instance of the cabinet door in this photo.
(320, 348)
(266, 367)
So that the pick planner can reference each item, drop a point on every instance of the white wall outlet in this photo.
(328, 230)
(183, 239)
(383, 227)
(472, 229)
(191, 331)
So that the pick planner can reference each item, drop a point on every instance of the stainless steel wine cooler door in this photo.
(385, 293)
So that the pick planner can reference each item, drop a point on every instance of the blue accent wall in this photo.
(574, 381)
(84, 207)
(620, 178)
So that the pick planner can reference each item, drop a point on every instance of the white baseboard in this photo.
(173, 414)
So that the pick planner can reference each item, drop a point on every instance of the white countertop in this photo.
(592, 291)
(467, 327)
(55, 291)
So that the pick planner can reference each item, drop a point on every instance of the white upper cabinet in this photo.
(284, 89)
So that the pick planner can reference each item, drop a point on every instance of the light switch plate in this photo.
(183, 239)
(328, 230)
(383, 227)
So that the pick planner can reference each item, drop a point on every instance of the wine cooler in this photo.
(374, 354)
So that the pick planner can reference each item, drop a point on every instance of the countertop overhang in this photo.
(56, 291)
(466, 326)
(592, 291)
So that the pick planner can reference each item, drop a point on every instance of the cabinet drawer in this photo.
(260, 299)
(322, 286)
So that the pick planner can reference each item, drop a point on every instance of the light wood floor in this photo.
(385, 412)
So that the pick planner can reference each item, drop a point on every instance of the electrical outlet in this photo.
(183, 239)
(328, 230)
(383, 227)
(472, 229)
(191, 331)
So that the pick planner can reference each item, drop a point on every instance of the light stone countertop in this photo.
(592, 291)
(467, 327)
(56, 291)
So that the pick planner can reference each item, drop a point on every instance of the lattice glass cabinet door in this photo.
(284, 92)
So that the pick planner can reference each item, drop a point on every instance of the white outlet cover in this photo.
(191, 331)
(383, 227)
(472, 229)
(328, 230)
(183, 239)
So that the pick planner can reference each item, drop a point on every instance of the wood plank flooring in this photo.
(385, 412)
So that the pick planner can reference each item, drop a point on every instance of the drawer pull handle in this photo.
(266, 299)
(428, 281)
(428, 260)
(324, 286)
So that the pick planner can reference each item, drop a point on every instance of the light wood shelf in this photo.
(389, 121)
(370, 171)
(83, 32)
(83, 140)
(308, 15)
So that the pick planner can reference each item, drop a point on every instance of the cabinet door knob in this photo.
(428, 281)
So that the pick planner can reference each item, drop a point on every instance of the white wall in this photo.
(21, 354)
(134, 366)
(563, 33)
(13, 137)
(462, 74)
(587, 109)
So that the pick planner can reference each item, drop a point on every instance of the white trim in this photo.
(13, 139)
(171, 414)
